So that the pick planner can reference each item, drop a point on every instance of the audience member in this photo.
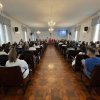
(2, 51)
(14, 61)
(90, 63)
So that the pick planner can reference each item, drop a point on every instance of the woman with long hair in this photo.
(14, 61)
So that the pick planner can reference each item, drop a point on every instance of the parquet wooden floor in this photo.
(53, 79)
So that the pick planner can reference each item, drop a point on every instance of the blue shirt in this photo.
(90, 63)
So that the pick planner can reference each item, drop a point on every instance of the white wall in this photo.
(72, 36)
(82, 36)
(20, 35)
(16, 36)
(85, 36)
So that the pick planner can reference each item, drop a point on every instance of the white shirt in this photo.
(32, 48)
(64, 45)
(81, 53)
(70, 48)
(37, 46)
(41, 45)
(3, 53)
(22, 64)
(60, 43)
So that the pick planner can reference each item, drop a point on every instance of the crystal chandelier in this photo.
(51, 29)
(38, 32)
(51, 23)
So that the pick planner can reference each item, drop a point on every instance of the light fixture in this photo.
(51, 23)
(51, 29)
(38, 32)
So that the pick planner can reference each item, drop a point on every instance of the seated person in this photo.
(90, 63)
(2, 51)
(74, 59)
(64, 45)
(60, 43)
(32, 47)
(70, 48)
(37, 45)
(14, 61)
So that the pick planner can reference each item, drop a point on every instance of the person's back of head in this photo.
(12, 55)
(31, 44)
(91, 52)
(26, 47)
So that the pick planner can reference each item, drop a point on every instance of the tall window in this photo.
(6, 34)
(5, 30)
(96, 34)
(76, 33)
(1, 34)
(26, 36)
(33, 38)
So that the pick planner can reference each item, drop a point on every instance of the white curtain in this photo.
(24, 30)
(77, 32)
(32, 37)
(2, 35)
(25, 36)
(5, 34)
(95, 36)
(5, 30)
(96, 33)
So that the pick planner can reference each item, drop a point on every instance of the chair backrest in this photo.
(71, 53)
(38, 50)
(97, 55)
(95, 80)
(79, 59)
(29, 58)
(99, 51)
(11, 76)
(19, 50)
(78, 62)
(35, 53)
(3, 59)
(7, 50)
(28, 52)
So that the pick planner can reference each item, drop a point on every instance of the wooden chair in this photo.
(95, 78)
(72, 53)
(6, 50)
(78, 62)
(98, 55)
(28, 56)
(19, 50)
(3, 59)
(99, 51)
(12, 77)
